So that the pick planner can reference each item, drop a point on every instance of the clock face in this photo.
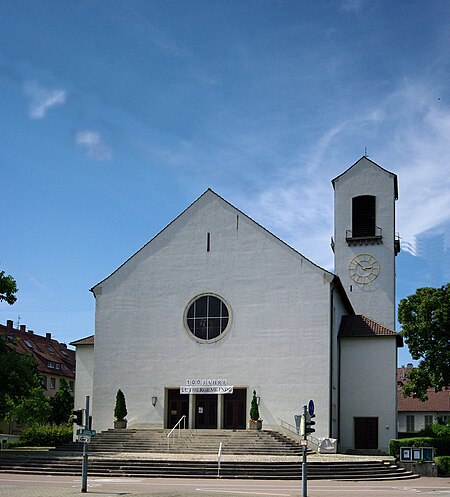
(364, 268)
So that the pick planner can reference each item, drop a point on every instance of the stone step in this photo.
(374, 470)
(190, 441)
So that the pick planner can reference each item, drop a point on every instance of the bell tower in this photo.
(364, 242)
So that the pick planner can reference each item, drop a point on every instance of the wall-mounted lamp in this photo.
(258, 400)
(154, 399)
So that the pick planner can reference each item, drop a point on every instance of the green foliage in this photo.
(443, 465)
(425, 320)
(18, 377)
(45, 435)
(435, 430)
(62, 404)
(395, 444)
(441, 444)
(8, 288)
(120, 411)
(34, 408)
(254, 409)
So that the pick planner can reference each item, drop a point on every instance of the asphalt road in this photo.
(12, 485)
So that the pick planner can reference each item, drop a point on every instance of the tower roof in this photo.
(366, 159)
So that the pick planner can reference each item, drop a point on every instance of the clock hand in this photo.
(363, 268)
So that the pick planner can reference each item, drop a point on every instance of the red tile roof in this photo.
(362, 326)
(45, 349)
(437, 401)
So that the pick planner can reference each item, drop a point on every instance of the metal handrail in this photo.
(178, 424)
(219, 459)
(287, 426)
(293, 429)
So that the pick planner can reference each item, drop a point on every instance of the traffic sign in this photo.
(84, 438)
(86, 432)
(311, 407)
(303, 442)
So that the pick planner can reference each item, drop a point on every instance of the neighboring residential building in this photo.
(215, 306)
(53, 359)
(414, 415)
(84, 373)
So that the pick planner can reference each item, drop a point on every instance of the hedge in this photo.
(441, 444)
(443, 465)
(44, 436)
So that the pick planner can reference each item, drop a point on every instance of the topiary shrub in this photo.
(254, 409)
(120, 411)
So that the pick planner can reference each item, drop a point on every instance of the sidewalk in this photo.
(65, 486)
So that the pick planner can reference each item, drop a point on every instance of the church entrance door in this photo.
(366, 433)
(206, 411)
(177, 406)
(234, 409)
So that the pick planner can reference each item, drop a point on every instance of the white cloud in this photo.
(408, 134)
(92, 142)
(419, 153)
(42, 99)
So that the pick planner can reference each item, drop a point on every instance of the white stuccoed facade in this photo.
(281, 340)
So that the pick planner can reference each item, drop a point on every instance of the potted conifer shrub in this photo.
(255, 423)
(120, 411)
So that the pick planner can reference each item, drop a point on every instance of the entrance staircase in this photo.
(191, 442)
(145, 453)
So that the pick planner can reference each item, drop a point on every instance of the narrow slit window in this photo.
(208, 242)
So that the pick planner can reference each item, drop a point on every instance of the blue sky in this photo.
(116, 115)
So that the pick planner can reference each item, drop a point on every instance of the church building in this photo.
(215, 306)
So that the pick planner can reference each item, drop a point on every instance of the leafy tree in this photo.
(254, 409)
(18, 377)
(62, 404)
(120, 411)
(31, 409)
(8, 288)
(425, 320)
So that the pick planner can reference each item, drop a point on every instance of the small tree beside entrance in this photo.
(255, 423)
(120, 411)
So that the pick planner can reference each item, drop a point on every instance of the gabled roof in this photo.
(45, 349)
(84, 341)
(437, 401)
(362, 326)
(364, 158)
(210, 192)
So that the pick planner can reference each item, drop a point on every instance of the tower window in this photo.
(363, 216)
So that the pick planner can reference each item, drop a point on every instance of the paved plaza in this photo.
(14, 485)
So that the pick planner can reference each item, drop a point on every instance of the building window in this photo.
(410, 424)
(428, 420)
(51, 365)
(207, 317)
(52, 383)
(44, 382)
(363, 216)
